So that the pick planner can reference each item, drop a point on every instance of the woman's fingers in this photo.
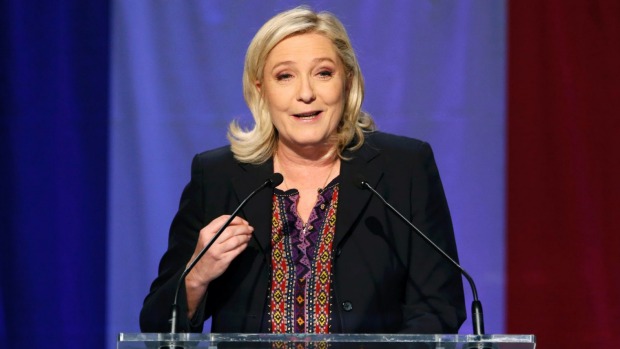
(233, 240)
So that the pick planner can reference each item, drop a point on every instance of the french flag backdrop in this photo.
(103, 106)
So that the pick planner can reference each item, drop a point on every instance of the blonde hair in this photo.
(258, 144)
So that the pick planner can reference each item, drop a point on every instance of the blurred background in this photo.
(103, 105)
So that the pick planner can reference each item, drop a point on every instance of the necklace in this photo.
(319, 190)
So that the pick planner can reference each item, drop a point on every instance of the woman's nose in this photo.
(306, 91)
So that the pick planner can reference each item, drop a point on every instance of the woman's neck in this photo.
(288, 158)
(304, 171)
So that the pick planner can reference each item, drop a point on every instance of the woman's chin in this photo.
(309, 143)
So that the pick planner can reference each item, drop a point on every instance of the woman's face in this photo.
(304, 86)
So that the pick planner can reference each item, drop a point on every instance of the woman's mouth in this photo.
(307, 116)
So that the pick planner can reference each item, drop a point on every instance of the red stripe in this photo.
(563, 281)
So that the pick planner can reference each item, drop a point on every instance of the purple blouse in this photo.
(301, 263)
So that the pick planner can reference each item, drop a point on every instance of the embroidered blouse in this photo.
(301, 263)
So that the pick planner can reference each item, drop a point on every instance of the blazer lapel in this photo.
(258, 209)
(351, 199)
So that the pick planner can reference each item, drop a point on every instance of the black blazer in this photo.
(385, 278)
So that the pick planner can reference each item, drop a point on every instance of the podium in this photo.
(321, 341)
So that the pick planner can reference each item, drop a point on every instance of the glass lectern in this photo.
(321, 341)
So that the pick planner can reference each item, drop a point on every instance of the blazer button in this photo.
(347, 306)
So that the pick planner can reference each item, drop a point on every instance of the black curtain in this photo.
(54, 68)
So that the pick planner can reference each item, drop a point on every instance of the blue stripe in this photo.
(54, 124)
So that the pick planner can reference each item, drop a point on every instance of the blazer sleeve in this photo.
(434, 300)
(183, 235)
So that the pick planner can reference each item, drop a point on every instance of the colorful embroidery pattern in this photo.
(301, 262)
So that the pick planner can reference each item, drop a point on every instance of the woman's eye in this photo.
(283, 76)
(325, 73)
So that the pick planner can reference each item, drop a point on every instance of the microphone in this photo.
(476, 305)
(273, 181)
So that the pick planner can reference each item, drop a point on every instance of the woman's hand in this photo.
(233, 240)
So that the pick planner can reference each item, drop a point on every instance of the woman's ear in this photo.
(258, 86)
(348, 83)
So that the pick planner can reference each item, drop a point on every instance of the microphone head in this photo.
(275, 180)
(360, 181)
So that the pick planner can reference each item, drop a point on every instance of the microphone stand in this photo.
(273, 181)
(476, 305)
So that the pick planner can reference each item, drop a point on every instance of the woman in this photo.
(317, 254)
